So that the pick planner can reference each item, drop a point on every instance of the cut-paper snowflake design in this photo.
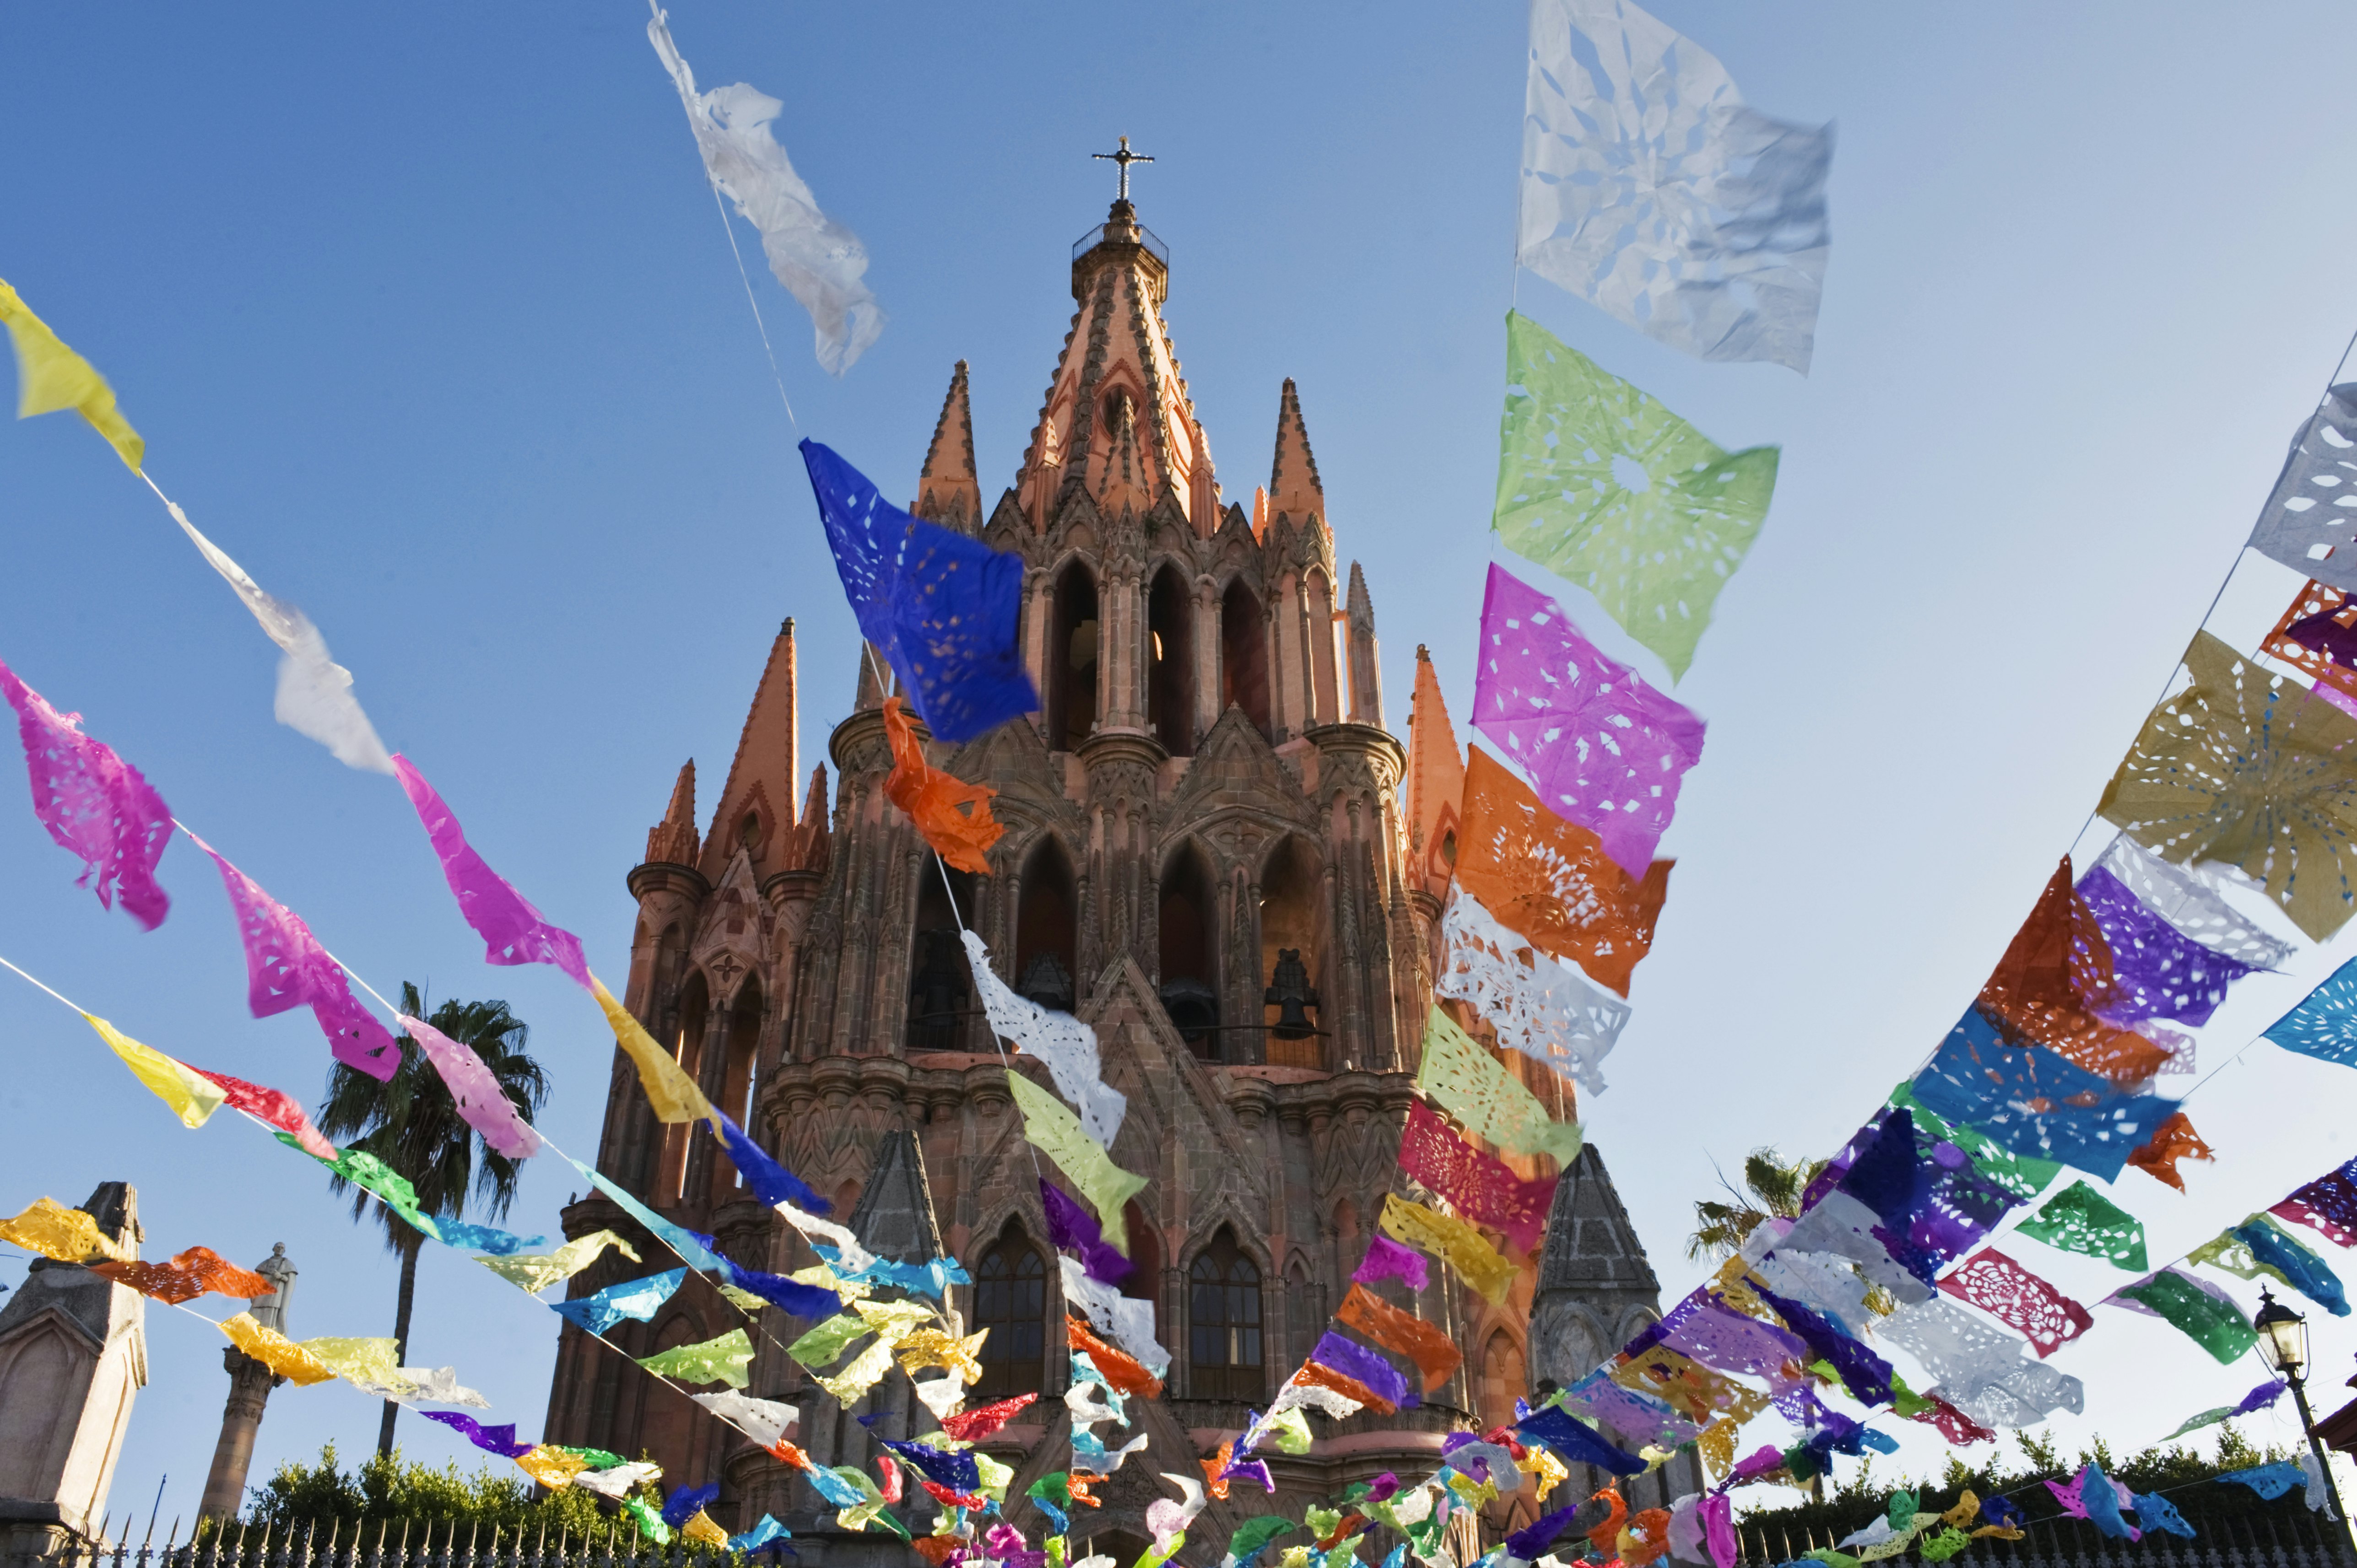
(2309, 523)
(2317, 635)
(2324, 1024)
(1979, 1368)
(1607, 750)
(1068, 1046)
(1605, 487)
(2251, 770)
(1651, 189)
(2199, 912)
(1550, 880)
(1544, 1009)
(1481, 1186)
(2019, 1299)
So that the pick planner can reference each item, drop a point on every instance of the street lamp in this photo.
(2283, 1345)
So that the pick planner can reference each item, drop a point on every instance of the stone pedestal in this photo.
(73, 1353)
(250, 1383)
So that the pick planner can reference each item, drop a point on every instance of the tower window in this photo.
(1243, 655)
(1223, 1322)
(1010, 1299)
(1072, 661)
(1171, 669)
(938, 981)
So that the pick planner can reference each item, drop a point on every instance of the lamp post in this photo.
(2283, 1345)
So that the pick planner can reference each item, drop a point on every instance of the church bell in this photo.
(1289, 993)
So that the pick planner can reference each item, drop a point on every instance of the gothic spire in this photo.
(1292, 488)
(948, 491)
(673, 841)
(1436, 781)
(1118, 349)
(766, 761)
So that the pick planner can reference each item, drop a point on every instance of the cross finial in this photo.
(1123, 159)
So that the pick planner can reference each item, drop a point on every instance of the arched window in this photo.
(687, 1049)
(1046, 934)
(1073, 659)
(1223, 1322)
(736, 1084)
(1289, 958)
(1190, 994)
(1171, 662)
(1502, 1375)
(938, 979)
(1243, 655)
(1144, 1281)
(1010, 1299)
(1323, 709)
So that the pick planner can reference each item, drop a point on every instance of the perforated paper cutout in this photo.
(1608, 751)
(1475, 1087)
(1605, 487)
(2309, 520)
(1979, 1368)
(2248, 769)
(1067, 1046)
(1551, 881)
(2019, 1299)
(1544, 1009)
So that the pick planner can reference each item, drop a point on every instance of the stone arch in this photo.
(736, 1096)
(1143, 1239)
(1187, 966)
(1011, 1298)
(1243, 652)
(1074, 654)
(1226, 1346)
(687, 1049)
(1046, 924)
(1170, 658)
(1292, 920)
(1318, 591)
(940, 984)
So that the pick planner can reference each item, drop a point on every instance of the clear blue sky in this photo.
(426, 318)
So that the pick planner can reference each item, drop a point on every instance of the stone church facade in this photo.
(1215, 855)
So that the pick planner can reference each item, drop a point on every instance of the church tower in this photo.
(1207, 857)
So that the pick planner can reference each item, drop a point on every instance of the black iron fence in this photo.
(2273, 1539)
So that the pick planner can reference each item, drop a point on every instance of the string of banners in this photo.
(2051, 1068)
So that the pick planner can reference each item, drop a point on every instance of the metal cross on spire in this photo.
(1123, 159)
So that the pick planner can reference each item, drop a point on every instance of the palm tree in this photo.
(1772, 1190)
(412, 1123)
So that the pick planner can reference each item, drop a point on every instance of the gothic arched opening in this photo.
(1073, 659)
(1290, 957)
(1223, 1340)
(736, 1082)
(1319, 595)
(1188, 985)
(687, 1049)
(1244, 654)
(939, 983)
(1144, 1281)
(1171, 662)
(1010, 1300)
(1046, 928)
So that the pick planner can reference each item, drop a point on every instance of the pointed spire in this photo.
(1436, 782)
(874, 686)
(1123, 488)
(673, 841)
(948, 491)
(1260, 512)
(769, 748)
(813, 833)
(1360, 607)
(1366, 692)
(1293, 491)
(894, 1216)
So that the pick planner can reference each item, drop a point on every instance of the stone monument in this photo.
(73, 1353)
(250, 1383)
